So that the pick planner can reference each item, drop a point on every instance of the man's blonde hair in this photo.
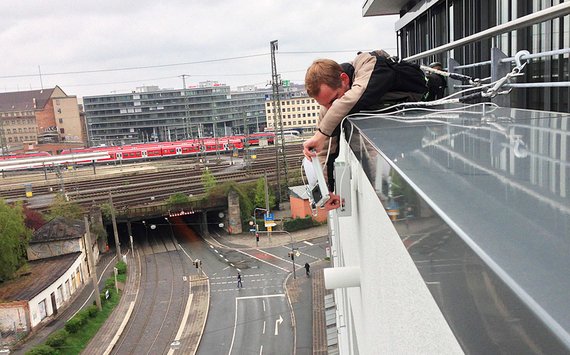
(322, 71)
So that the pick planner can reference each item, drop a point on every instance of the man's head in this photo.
(436, 65)
(325, 81)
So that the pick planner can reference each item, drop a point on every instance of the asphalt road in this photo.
(162, 296)
(257, 318)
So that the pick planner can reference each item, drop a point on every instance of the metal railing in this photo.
(500, 63)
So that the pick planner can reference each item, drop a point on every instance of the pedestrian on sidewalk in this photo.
(307, 269)
(239, 284)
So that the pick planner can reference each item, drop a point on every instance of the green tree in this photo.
(98, 230)
(259, 198)
(14, 239)
(63, 208)
(208, 180)
(177, 199)
(106, 211)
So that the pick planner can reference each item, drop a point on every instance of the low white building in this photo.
(57, 269)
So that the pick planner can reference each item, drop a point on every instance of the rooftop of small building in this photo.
(40, 274)
(59, 228)
(299, 192)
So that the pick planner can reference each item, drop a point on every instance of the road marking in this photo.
(260, 296)
(235, 327)
(185, 253)
(261, 350)
(308, 243)
(264, 311)
(301, 253)
(263, 332)
(236, 313)
(263, 261)
(417, 241)
(277, 323)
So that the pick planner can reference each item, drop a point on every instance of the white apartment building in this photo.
(298, 113)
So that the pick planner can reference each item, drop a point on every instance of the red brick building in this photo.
(301, 207)
(48, 116)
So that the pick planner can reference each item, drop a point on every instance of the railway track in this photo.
(161, 302)
(145, 185)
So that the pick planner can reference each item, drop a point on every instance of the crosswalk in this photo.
(250, 282)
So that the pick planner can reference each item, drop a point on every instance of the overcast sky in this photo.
(126, 44)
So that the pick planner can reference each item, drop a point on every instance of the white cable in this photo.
(348, 167)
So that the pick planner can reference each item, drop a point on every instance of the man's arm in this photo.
(316, 143)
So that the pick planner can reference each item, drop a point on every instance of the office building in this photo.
(152, 114)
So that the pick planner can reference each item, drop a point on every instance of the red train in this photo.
(179, 148)
(137, 151)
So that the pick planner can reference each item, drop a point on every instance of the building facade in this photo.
(151, 114)
(298, 110)
(428, 24)
(38, 117)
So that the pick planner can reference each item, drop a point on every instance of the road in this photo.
(162, 295)
(257, 318)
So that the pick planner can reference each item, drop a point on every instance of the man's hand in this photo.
(316, 142)
(332, 203)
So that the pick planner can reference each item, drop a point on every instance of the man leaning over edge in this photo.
(372, 81)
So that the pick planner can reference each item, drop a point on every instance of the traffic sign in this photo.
(269, 216)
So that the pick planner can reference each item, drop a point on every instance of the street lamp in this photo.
(171, 230)
(251, 223)
(256, 225)
(145, 231)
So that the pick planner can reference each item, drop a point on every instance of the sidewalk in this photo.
(109, 333)
(277, 238)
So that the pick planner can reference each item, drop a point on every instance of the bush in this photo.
(110, 283)
(299, 224)
(74, 324)
(83, 316)
(42, 350)
(92, 311)
(121, 267)
(57, 339)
